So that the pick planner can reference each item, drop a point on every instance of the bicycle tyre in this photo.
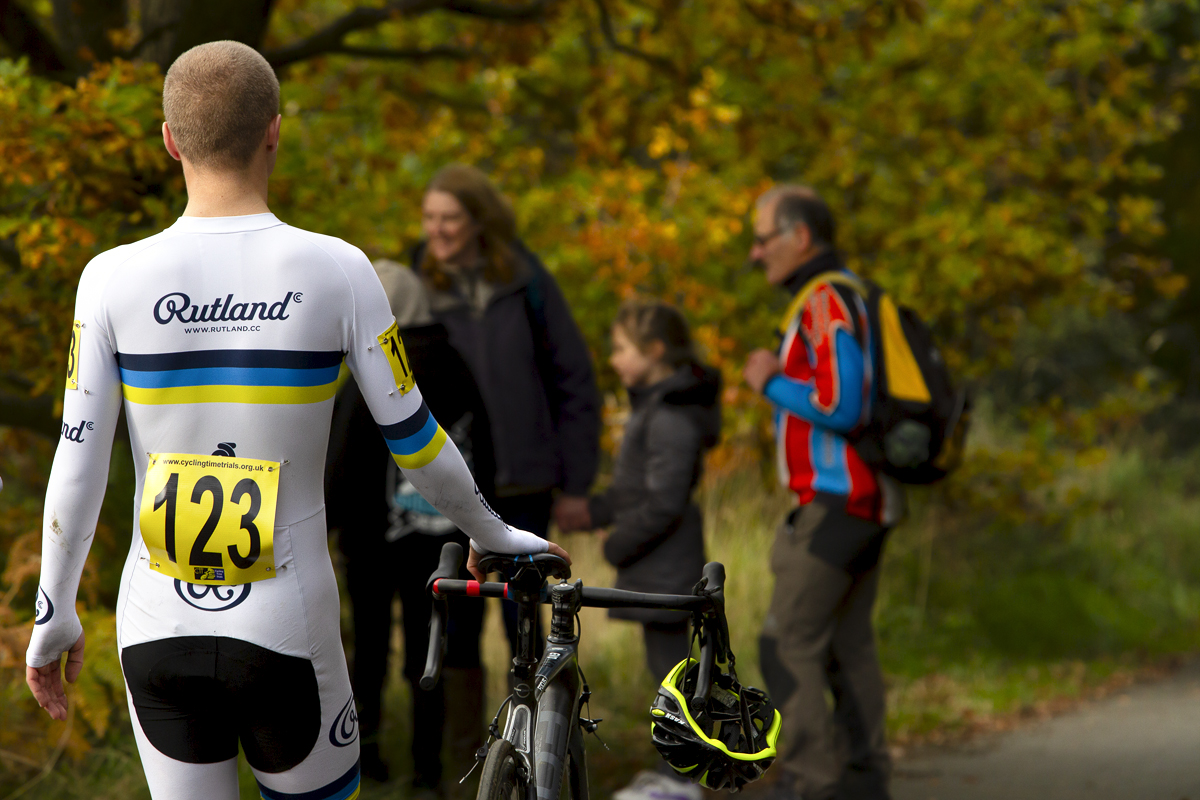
(500, 779)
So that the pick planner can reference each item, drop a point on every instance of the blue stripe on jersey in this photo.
(344, 788)
(407, 427)
(411, 435)
(229, 376)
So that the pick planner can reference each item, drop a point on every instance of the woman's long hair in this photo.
(489, 210)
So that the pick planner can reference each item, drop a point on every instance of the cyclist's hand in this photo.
(558, 551)
(46, 682)
(473, 564)
(473, 560)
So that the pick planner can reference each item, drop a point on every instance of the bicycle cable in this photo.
(493, 735)
(588, 724)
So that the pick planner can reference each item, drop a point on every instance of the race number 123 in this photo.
(210, 519)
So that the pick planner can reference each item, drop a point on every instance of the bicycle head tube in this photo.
(565, 599)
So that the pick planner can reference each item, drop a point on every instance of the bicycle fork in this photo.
(546, 703)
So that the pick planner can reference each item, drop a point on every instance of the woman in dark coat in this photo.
(507, 318)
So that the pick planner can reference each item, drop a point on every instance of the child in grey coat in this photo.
(655, 537)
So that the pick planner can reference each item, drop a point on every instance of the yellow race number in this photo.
(210, 519)
(73, 357)
(393, 348)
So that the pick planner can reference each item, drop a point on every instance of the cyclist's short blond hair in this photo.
(218, 99)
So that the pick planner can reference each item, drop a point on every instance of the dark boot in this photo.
(464, 728)
(428, 720)
(863, 785)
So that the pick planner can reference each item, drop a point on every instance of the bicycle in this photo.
(542, 740)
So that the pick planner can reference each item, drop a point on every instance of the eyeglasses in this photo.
(761, 239)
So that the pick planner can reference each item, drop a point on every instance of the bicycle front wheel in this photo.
(501, 780)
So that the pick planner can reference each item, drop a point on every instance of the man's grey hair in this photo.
(796, 204)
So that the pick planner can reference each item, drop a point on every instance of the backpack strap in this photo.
(901, 373)
(836, 277)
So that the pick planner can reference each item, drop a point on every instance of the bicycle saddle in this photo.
(546, 565)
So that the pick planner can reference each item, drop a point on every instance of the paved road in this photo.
(1143, 744)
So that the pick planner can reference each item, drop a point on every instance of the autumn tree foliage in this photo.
(986, 159)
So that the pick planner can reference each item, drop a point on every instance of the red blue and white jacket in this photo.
(823, 394)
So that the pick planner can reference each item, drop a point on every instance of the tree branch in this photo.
(21, 32)
(658, 62)
(331, 39)
(498, 11)
(149, 37)
(406, 54)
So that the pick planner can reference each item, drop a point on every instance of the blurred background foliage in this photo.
(1026, 174)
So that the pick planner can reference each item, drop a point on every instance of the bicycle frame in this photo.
(543, 722)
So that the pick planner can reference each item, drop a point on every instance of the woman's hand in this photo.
(571, 513)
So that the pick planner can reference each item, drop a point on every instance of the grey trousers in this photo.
(818, 636)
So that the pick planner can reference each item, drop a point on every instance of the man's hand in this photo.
(761, 366)
(46, 682)
(473, 561)
(571, 513)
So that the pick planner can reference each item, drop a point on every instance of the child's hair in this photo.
(648, 321)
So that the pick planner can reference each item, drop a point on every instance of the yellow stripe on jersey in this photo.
(425, 455)
(258, 395)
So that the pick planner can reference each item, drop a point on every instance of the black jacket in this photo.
(356, 465)
(656, 539)
(538, 385)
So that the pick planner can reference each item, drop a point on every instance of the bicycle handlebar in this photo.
(709, 601)
(448, 566)
(592, 596)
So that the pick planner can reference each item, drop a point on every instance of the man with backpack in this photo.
(818, 633)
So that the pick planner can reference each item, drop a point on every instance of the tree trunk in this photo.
(21, 32)
(171, 27)
(83, 27)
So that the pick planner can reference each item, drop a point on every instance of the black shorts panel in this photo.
(197, 696)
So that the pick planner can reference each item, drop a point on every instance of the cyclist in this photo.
(224, 335)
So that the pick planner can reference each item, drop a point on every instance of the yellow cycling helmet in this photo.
(728, 744)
